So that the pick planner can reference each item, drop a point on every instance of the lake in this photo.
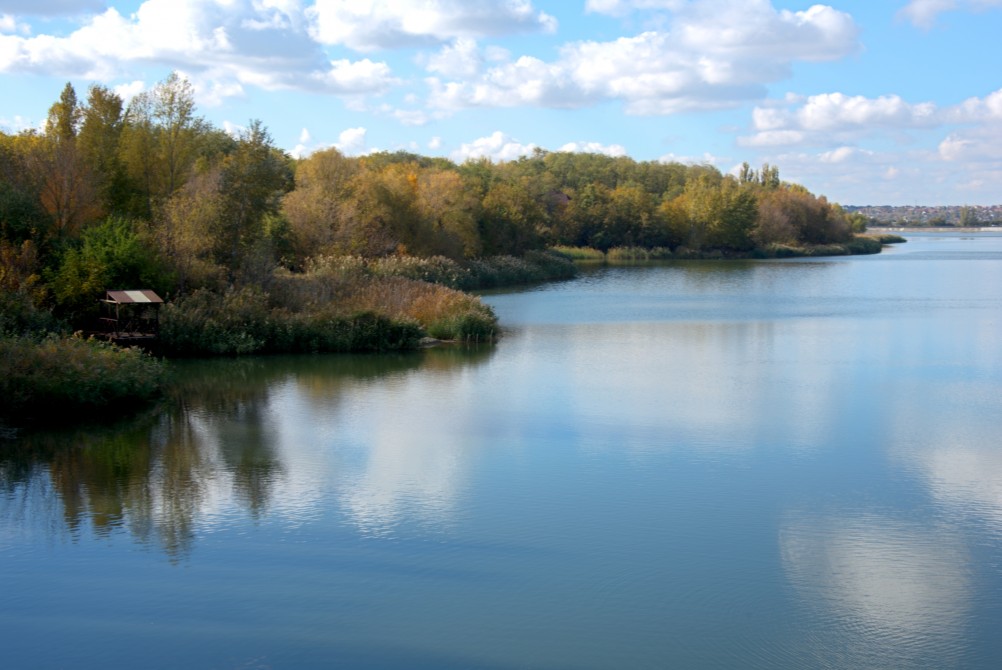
(763, 464)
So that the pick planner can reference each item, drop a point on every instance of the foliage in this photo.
(21, 291)
(151, 195)
(73, 375)
(243, 322)
(113, 255)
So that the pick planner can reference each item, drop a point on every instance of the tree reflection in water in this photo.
(212, 441)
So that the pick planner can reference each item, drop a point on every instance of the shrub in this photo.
(72, 375)
(864, 244)
(206, 322)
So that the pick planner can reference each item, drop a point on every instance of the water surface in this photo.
(774, 464)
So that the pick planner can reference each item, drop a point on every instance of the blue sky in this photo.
(866, 101)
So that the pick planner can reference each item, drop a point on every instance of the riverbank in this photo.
(936, 229)
(864, 244)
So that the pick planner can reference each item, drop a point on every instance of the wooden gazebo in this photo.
(132, 317)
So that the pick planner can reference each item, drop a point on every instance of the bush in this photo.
(864, 244)
(206, 322)
(72, 375)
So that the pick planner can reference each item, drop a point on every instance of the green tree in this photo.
(511, 220)
(99, 142)
(116, 254)
(64, 116)
(254, 178)
(160, 142)
(449, 210)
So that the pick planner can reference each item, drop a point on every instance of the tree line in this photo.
(109, 195)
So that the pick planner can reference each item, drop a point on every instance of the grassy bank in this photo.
(858, 245)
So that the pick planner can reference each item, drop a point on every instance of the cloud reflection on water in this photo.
(893, 592)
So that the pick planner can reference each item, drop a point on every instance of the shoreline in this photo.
(935, 229)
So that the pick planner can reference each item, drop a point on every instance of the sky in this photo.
(868, 102)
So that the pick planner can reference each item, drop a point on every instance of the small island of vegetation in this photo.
(258, 252)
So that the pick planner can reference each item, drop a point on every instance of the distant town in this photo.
(931, 216)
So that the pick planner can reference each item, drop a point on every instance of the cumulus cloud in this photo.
(923, 13)
(224, 46)
(369, 25)
(714, 54)
(594, 148)
(706, 159)
(351, 141)
(458, 60)
(497, 146)
(833, 117)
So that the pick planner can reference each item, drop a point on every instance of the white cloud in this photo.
(435, 143)
(623, 7)
(715, 53)
(497, 146)
(128, 91)
(351, 142)
(706, 159)
(978, 145)
(368, 25)
(988, 108)
(460, 59)
(223, 45)
(594, 148)
(833, 118)
(842, 154)
(234, 130)
(9, 24)
(836, 111)
(17, 124)
(923, 13)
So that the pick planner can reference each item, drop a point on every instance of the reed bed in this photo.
(633, 254)
(580, 254)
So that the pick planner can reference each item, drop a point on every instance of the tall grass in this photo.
(59, 376)
(247, 322)
(341, 304)
(442, 312)
(580, 254)
(481, 273)
(632, 254)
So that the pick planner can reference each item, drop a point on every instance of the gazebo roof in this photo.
(133, 297)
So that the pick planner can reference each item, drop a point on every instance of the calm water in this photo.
(718, 465)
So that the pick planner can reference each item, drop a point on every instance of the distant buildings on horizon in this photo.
(932, 216)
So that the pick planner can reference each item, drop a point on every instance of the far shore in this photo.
(932, 229)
